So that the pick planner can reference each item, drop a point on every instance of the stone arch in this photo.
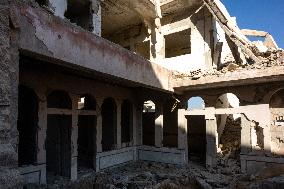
(196, 131)
(59, 99)
(229, 126)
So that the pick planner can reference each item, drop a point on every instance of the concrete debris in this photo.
(151, 175)
(269, 58)
(231, 138)
(10, 178)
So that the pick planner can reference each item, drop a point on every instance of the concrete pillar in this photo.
(157, 42)
(159, 125)
(97, 17)
(118, 124)
(74, 136)
(208, 41)
(245, 135)
(265, 124)
(99, 125)
(137, 124)
(211, 137)
(42, 127)
(182, 133)
(41, 133)
(59, 7)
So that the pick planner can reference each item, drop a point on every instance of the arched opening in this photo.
(276, 106)
(229, 126)
(80, 12)
(59, 100)
(195, 103)
(27, 126)
(170, 124)
(126, 121)
(87, 102)
(109, 124)
(148, 123)
(58, 141)
(87, 121)
(196, 132)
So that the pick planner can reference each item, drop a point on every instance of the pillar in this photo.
(41, 133)
(118, 124)
(159, 125)
(97, 17)
(137, 124)
(157, 42)
(182, 133)
(99, 125)
(74, 137)
(211, 137)
(245, 135)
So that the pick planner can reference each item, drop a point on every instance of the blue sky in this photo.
(266, 15)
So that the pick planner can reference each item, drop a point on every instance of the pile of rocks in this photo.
(230, 142)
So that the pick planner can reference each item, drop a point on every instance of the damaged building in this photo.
(88, 85)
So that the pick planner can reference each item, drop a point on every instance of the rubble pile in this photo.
(269, 58)
(230, 143)
(151, 175)
(196, 74)
(165, 176)
(272, 57)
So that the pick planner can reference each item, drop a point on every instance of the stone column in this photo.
(159, 125)
(97, 17)
(41, 133)
(99, 125)
(118, 124)
(182, 133)
(74, 136)
(211, 137)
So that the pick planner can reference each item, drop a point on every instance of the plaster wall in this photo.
(200, 56)
(49, 36)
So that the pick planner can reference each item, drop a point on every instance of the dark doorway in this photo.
(27, 126)
(196, 134)
(170, 128)
(148, 123)
(108, 124)
(58, 145)
(126, 121)
(87, 141)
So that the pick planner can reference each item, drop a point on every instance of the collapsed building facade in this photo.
(90, 84)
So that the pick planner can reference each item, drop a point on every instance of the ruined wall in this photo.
(231, 139)
(9, 177)
(277, 123)
(201, 24)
